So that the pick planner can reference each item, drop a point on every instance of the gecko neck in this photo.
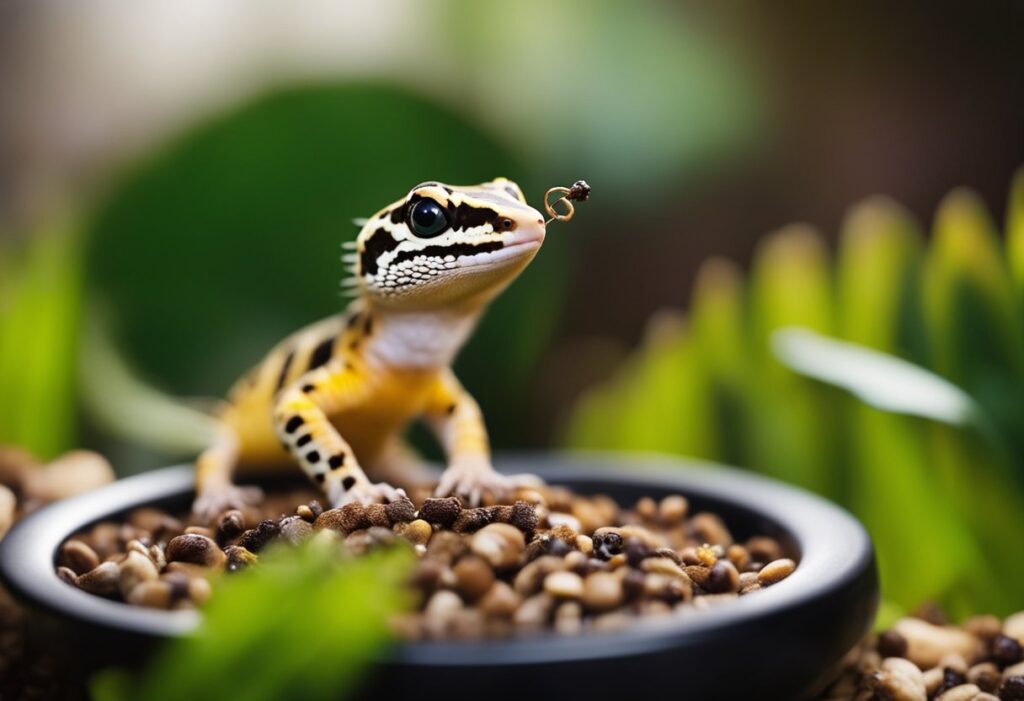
(419, 340)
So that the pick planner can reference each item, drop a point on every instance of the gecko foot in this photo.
(213, 501)
(471, 483)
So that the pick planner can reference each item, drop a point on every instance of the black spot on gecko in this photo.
(303, 440)
(467, 217)
(368, 325)
(283, 375)
(313, 457)
(322, 353)
(379, 243)
(293, 424)
(458, 249)
(348, 482)
(353, 320)
(308, 388)
(336, 461)
(451, 409)
(320, 477)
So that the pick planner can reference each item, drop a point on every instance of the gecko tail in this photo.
(129, 408)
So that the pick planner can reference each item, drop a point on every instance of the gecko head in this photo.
(444, 245)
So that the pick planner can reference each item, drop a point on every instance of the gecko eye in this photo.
(427, 219)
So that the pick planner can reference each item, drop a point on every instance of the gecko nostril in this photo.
(540, 221)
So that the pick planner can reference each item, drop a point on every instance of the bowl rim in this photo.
(834, 550)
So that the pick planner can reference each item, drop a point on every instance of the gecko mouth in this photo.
(503, 252)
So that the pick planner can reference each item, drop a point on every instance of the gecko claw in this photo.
(470, 484)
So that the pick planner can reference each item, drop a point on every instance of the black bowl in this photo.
(784, 642)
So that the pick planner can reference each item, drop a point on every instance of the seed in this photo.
(892, 644)
(305, 513)
(556, 519)
(500, 544)
(295, 529)
(962, 692)
(1014, 627)
(1005, 650)
(103, 580)
(441, 511)
(1012, 689)
(564, 585)
(135, 568)
(195, 549)
(928, 644)
(723, 578)
(230, 525)
(199, 590)
(197, 530)
(646, 508)
(698, 575)
(78, 556)
(951, 679)
(986, 676)
(533, 613)
(585, 544)
(710, 529)
(662, 565)
(417, 531)
(738, 556)
(473, 577)
(602, 591)
(154, 593)
(500, 600)
(446, 546)
(528, 580)
(673, 508)
(569, 618)
(985, 627)
(764, 549)
(439, 611)
(900, 679)
(775, 572)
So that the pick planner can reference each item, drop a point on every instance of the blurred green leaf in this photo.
(40, 290)
(878, 264)
(303, 624)
(883, 381)
(790, 427)
(1015, 232)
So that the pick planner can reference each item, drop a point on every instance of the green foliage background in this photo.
(942, 499)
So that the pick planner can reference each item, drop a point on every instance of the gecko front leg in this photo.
(458, 423)
(301, 419)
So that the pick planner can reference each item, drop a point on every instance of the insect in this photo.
(336, 396)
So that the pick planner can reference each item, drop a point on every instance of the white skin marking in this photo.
(421, 340)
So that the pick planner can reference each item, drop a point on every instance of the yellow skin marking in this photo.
(337, 395)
